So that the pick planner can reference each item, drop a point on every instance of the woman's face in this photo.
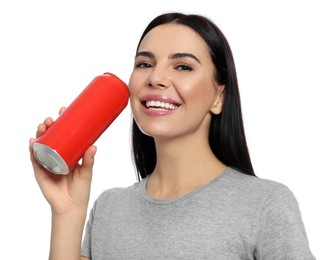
(172, 86)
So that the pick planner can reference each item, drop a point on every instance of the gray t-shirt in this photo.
(235, 216)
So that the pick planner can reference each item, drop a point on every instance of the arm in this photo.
(68, 196)
(66, 235)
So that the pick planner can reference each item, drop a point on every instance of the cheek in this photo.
(134, 86)
(132, 83)
(200, 94)
(133, 89)
(135, 106)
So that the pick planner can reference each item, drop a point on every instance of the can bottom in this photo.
(50, 159)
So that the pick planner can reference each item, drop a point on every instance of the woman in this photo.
(197, 195)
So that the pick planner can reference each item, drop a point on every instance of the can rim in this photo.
(50, 159)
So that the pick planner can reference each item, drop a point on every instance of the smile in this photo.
(159, 105)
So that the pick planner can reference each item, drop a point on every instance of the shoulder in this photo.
(118, 195)
(255, 186)
(256, 194)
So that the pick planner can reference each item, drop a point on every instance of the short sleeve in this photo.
(282, 233)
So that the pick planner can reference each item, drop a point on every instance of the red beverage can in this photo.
(64, 143)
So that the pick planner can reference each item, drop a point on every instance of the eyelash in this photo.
(184, 67)
(144, 65)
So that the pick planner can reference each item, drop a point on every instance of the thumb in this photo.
(88, 158)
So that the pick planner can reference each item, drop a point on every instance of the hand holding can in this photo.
(64, 143)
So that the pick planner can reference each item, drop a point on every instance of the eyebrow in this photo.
(172, 56)
(145, 54)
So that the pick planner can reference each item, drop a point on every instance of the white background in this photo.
(285, 58)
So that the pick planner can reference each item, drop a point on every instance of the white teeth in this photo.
(159, 104)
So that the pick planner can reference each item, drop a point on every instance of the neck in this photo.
(183, 164)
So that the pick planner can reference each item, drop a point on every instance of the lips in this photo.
(152, 104)
(159, 103)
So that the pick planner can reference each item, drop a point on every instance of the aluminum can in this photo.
(64, 143)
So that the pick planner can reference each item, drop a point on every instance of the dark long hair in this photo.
(226, 134)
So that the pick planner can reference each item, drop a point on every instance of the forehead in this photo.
(172, 38)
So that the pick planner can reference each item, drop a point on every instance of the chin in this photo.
(156, 132)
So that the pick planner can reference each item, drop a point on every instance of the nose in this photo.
(158, 78)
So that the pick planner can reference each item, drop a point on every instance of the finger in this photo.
(62, 109)
(31, 142)
(48, 121)
(40, 130)
(85, 173)
(32, 157)
(88, 158)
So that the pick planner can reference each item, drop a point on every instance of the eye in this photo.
(184, 67)
(143, 65)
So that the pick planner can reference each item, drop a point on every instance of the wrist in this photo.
(72, 215)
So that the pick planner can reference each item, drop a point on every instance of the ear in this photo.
(216, 107)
